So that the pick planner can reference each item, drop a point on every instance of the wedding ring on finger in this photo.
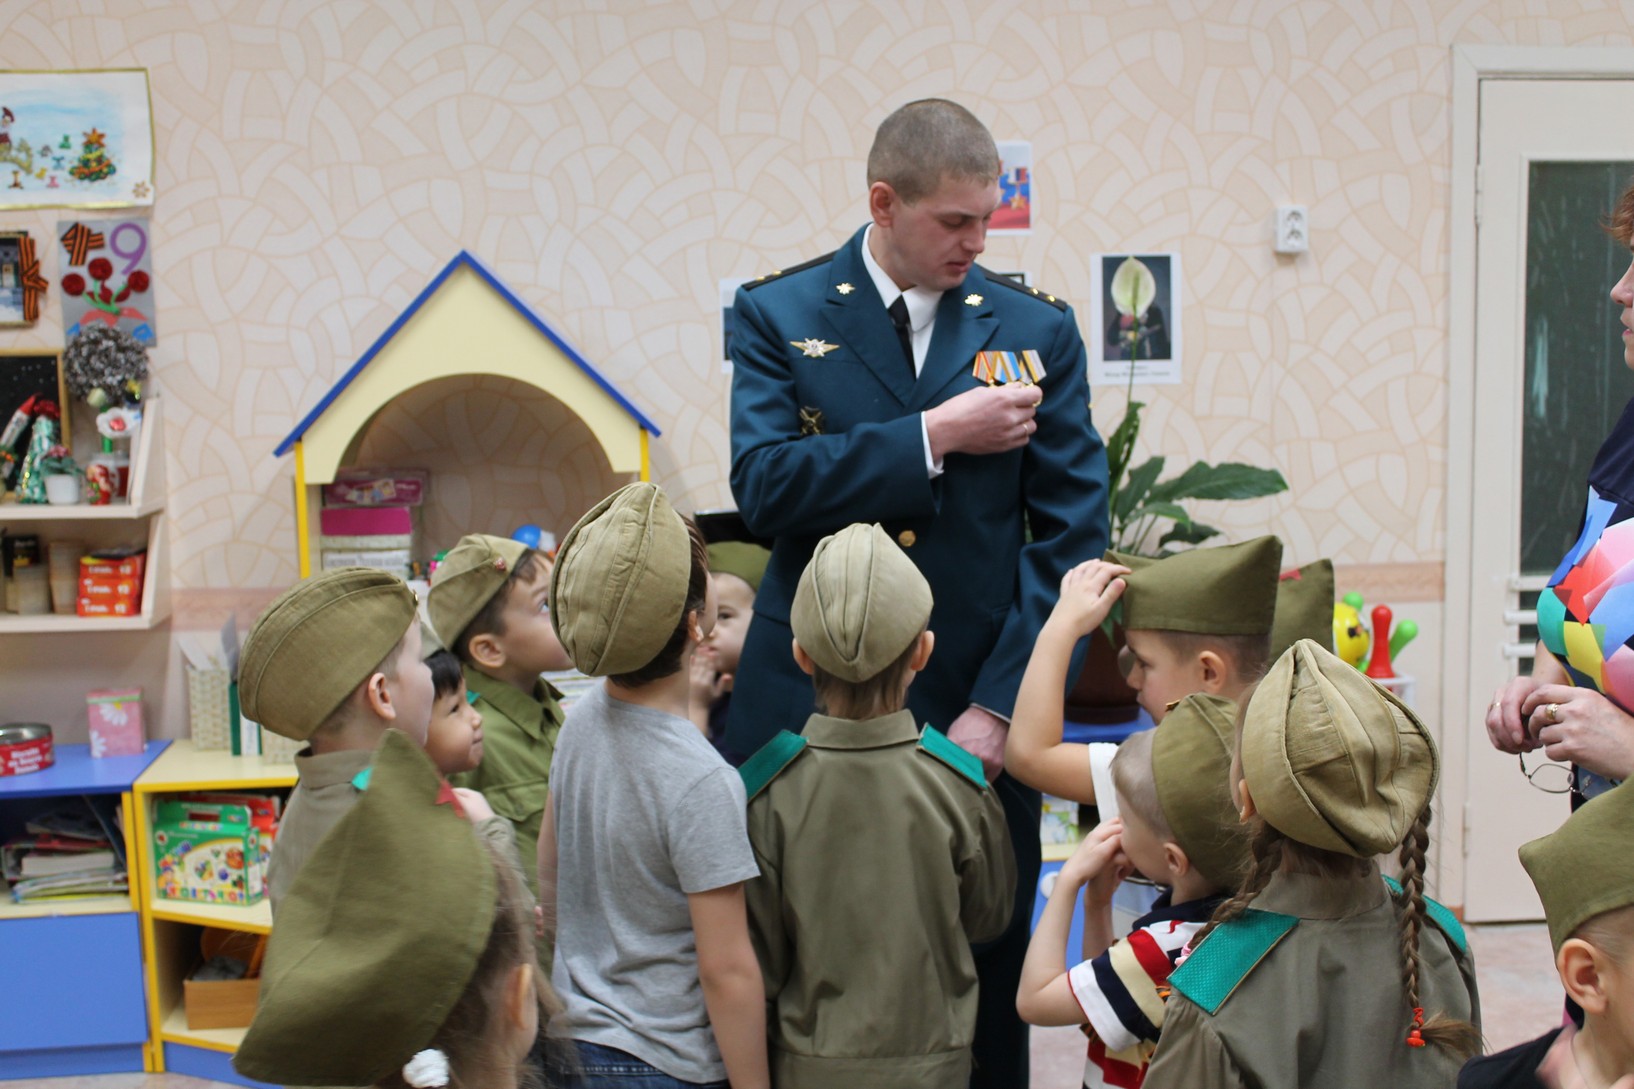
(1553, 711)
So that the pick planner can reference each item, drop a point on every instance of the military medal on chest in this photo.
(1003, 368)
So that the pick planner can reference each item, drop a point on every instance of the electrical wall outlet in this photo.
(1293, 229)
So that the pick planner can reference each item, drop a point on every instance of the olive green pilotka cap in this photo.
(859, 604)
(745, 560)
(378, 936)
(1304, 607)
(1227, 590)
(620, 583)
(1331, 759)
(1576, 867)
(1191, 771)
(468, 578)
(316, 643)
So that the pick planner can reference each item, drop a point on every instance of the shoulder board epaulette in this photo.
(1440, 915)
(1031, 292)
(760, 769)
(1212, 971)
(934, 742)
(778, 274)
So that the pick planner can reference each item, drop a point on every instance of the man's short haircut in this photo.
(490, 619)
(1248, 656)
(1137, 787)
(879, 695)
(667, 662)
(926, 141)
(446, 674)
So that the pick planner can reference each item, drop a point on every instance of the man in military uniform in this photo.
(854, 398)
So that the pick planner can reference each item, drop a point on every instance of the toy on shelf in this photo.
(1352, 638)
(42, 440)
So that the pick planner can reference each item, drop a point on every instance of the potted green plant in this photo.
(61, 474)
(1146, 515)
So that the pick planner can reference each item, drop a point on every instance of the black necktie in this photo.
(904, 332)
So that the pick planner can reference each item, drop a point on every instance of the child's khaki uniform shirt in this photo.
(1306, 990)
(518, 740)
(882, 856)
(322, 796)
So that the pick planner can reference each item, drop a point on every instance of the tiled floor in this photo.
(1520, 998)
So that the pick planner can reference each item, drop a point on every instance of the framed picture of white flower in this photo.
(1135, 319)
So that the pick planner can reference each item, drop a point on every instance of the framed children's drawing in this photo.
(76, 139)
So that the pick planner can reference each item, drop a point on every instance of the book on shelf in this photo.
(38, 863)
(69, 886)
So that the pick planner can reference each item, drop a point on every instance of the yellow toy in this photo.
(1349, 635)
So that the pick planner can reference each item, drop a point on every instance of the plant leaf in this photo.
(1122, 442)
(1141, 478)
(1133, 287)
(1227, 480)
(1190, 533)
(1173, 511)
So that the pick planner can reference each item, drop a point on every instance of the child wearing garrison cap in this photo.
(735, 569)
(335, 662)
(1197, 621)
(1178, 828)
(489, 603)
(1320, 971)
(1587, 887)
(643, 853)
(883, 852)
(403, 954)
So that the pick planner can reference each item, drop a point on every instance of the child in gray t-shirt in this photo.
(644, 849)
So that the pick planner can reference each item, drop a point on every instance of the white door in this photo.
(1549, 382)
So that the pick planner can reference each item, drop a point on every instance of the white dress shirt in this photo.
(922, 304)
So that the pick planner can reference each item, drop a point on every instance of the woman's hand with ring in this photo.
(1506, 722)
(1588, 729)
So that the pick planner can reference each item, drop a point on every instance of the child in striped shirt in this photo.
(1177, 828)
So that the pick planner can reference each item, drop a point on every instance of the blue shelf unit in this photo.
(75, 1001)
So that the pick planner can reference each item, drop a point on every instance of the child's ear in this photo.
(486, 652)
(520, 993)
(377, 697)
(802, 659)
(1579, 965)
(1175, 858)
(1214, 672)
(922, 650)
(1245, 802)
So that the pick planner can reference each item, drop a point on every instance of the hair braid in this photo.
(1265, 850)
(1459, 1037)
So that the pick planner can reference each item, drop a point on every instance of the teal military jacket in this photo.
(826, 432)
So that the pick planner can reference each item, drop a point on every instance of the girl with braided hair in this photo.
(1320, 971)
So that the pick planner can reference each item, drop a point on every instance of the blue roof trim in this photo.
(463, 258)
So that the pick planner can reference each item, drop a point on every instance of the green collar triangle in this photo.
(1440, 915)
(767, 764)
(1212, 971)
(360, 781)
(967, 764)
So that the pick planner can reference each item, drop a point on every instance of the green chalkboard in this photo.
(1576, 381)
(26, 373)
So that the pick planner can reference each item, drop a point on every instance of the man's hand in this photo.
(982, 734)
(984, 420)
(1088, 593)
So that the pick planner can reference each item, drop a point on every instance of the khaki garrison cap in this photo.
(1581, 868)
(1304, 608)
(859, 604)
(378, 936)
(620, 584)
(1191, 769)
(1332, 760)
(316, 643)
(468, 578)
(741, 558)
(1229, 590)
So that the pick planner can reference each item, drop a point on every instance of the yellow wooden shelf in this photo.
(115, 904)
(256, 919)
(174, 1030)
(1058, 852)
(185, 768)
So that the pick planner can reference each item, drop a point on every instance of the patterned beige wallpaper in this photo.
(318, 162)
